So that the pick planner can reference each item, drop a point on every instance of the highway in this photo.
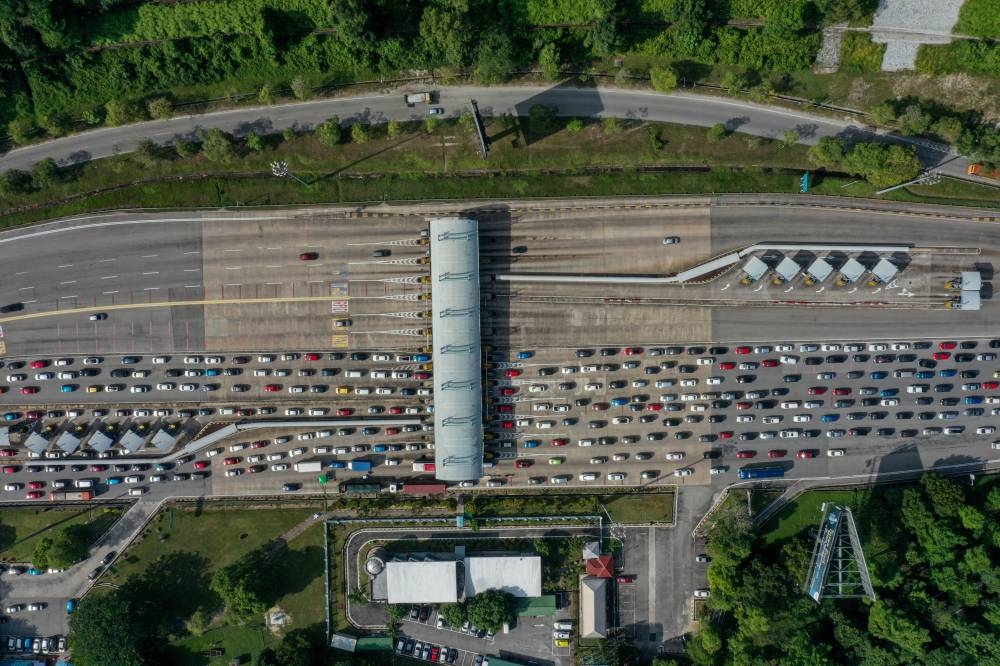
(679, 107)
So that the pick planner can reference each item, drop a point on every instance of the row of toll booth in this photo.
(819, 270)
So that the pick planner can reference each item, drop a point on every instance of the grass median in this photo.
(21, 528)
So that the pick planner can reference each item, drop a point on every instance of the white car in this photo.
(305, 435)
(13, 487)
(214, 360)
(293, 411)
(392, 461)
(622, 420)
(701, 594)
(853, 347)
(297, 452)
(808, 347)
(166, 386)
(588, 369)
(188, 387)
(776, 418)
(715, 471)
(545, 425)
(538, 388)
(255, 458)
(745, 418)
(686, 471)
(917, 388)
(584, 442)
(665, 383)
(789, 360)
(212, 453)
(996, 444)
(986, 357)
(381, 357)
(261, 372)
(689, 382)
(802, 418)
(812, 404)
(280, 467)
(44, 376)
(877, 346)
(317, 411)
(593, 387)
(749, 365)
(92, 360)
(160, 360)
(17, 377)
(825, 376)
(688, 397)
(570, 370)
(616, 476)
(768, 434)
(237, 447)
(829, 346)
(139, 388)
(985, 430)
(696, 407)
(296, 389)
(640, 383)
(541, 407)
(714, 381)
(784, 347)
(378, 374)
(68, 374)
(836, 453)
(706, 360)
(401, 374)
(763, 349)
(191, 360)
(791, 404)
(588, 476)
(133, 479)
(889, 402)
(675, 455)
(899, 346)
(971, 386)
(790, 433)
(140, 374)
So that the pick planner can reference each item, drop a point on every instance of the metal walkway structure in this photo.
(838, 568)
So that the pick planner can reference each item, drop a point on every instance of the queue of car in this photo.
(38, 645)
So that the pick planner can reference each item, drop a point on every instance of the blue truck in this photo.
(360, 465)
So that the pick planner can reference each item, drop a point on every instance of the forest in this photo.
(63, 61)
(932, 548)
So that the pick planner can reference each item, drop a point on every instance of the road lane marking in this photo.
(65, 266)
(110, 292)
(21, 273)
(152, 273)
(25, 288)
(151, 289)
(233, 268)
(192, 286)
(69, 297)
(232, 250)
(110, 277)
(101, 261)
(192, 270)
(149, 256)
(193, 252)
(68, 282)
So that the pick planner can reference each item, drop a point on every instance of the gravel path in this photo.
(828, 56)
(933, 19)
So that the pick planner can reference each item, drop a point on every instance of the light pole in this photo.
(280, 169)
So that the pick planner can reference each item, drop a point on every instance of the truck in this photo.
(360, 465)
(360, 488)
(422, 489)
(71, 495)
(424, 467)
(412, 99)
(309, 466)
(761, 472)
(980, 170)
(421, 358)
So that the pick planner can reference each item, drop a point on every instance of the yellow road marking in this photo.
(3, 347)
(164, 304)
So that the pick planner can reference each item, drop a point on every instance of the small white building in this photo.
(593, 607)
(426, 582)
(520, 575)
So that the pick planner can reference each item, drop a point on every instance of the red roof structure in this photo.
(602, 566)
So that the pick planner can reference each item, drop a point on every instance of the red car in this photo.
(938, 356)
(392, 431)
(36, 485)
(523, 463)
(626, 579)
(776, 453)
(259, 444)
(743, 350)
(29, 390)
(3, 389)
(506, 425)
(9, 470)
(235, 460)
(246, 411)
(392, 410)
(347, 411)
(309, 256)
(943, 345)
(34, 415)
(435, 654)
(512, 373)
(272, 388)
(42, 364)
(991, 385)
(560, 441)
(311, 357)
(842, 391)
(746, 454)
(816, 390)
(744, 405)
(7, 453)
(805, 454)
(653, 407)
(726, 434)
(727, 365)
(599, 406)
(509, 390)
(201, 464)
(35, 494)
(98, 468)
(632, 351)
(769, 363)
(503, 409)
(420, 374)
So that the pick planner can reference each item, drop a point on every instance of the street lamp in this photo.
(280, 169)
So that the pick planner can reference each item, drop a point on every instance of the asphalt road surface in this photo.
(682, 108)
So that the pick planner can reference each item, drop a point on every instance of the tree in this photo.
(300, 88)
(329, 132)
(914, 121)
(56, 124)
(490, 609)
(186, 149)
(359, 133)
(239, 587)
(663, 79)
(146, 153)
(717, 132)
(160, 108)
(254, 142)
(541, 119)
(828, 153)
(574, 125)
(108, 629)
(789, 138)
(548, 61)
(266, 657)
(15, 181)
(297, 648)
(883, 114)
(45, 173)
(216, 145)
(604, 38)
(393, 129)
(445, 33)
(945, 496)
(121, 112)
(494, 59)
(786, 19)
(264, 96)
(891, 624)
(454, 614)
(736, 82)
(948, 128)
(882, 165)
(22, 129)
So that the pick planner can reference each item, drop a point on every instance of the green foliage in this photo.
(70, 545)
(980, 18)
(109, 629)
(186, 149)
(738, 81)
(56, 124)
(445, 33)
(301, 88)
(359, 133)
(859, 54)
(948, 129)
(663, 79)
(828, 153)
(883, 113)
(43, 174)
(494, 59)
(15, 181)
(880, 164)
(611, 126)
(913, 121)
(549, 62)
(254, 142)
(490, 609)
(217, 145)
(454, 614)
(122, 112)
(972, 57)
(265, 95)
(786, 19)
(329, 132)
(146, 153)
(160, 108)
(574, 125)
(431, 123)
(857, 11)
(22, 130)
(717, 132)
(241, 587)
(288, 134)
(789, 138)
(541, 119)
(393, 129)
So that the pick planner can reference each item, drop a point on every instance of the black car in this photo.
(654, 436)
(869, 402)
(425, 612)
(927, 363)
(861, 358)
(718, 351)
(206, 411)
(290, 487)
(969, 344)
(711, 454)
(356, 356)
(716, 418)
(856, 416)
(687, 369)
(745, 379)
(546, 372)
(906, 358)
(695, 351)
(618, 384)
(12, 307)
(608, 351)
(706, 439)
(682, 434)
(606, 441)
(414, 613)
(789, 379)
(584, 353)
(949, 402)
(926, 416)
(964, 358)
(89, 372)
(172, 372)
(855, 374)
(109, 558)
(122, 372)
(968, 374)
(567, 386)
(900, 416)
(943, 388)
(381, 253)
(814, 360)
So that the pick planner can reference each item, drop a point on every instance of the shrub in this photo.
(663, 79)
(574, 125)
(393, 129)
(121, 112)
(431, 123)
(883, 114)
(56, 124)
(611, 126)
(160, 108)
(22, 130)
(548, 61)
(45, 173)
(254, 142)
(913, 120)
(15, 181)
(541, 119)
(359, 133)
(265, 96)
(185, 148)
(859, 54)
(948, 129)
(329, 132)
(288, 134)
(300, 88)
(717, 132)
(146, 153)
(217, 145)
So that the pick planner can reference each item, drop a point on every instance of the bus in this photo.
(761, 472)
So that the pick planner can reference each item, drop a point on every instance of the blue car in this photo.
(338, 464)
(950, 372)
(879, 374)
(969, 400)
(525, 355)
(925, 374)
(830, 418)
(114, 480)
(421, 358)
(619, 402)
(532, 443)
(888, 393)
(35, 572)
(67, 388)
(212, 372)
(380, 448)
(70, 606)
(11, 416)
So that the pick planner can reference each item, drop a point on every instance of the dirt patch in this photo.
(277, 620)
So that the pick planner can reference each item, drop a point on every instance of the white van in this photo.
(135, 492)
(84, 483)
(354, 374)
(362, 390)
